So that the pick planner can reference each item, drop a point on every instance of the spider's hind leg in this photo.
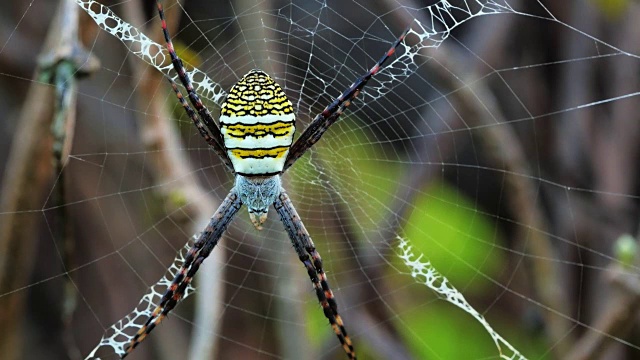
(200, 250)
(312, 261)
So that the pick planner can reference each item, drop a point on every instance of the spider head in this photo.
(260, 219)
(258, 193)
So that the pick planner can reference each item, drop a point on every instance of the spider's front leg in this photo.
(331, 113)
(214, 139)
(200, 250)
(310, 257)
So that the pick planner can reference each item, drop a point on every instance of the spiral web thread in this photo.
(120, 333)
(444, 17)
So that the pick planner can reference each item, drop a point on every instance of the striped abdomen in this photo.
(257, 123)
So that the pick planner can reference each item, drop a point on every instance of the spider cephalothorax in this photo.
(255, 142)
(258, 193)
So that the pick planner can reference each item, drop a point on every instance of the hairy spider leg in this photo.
(200, 250)
(312, 261)
(216, 137)
(192, 114)
(332, 112)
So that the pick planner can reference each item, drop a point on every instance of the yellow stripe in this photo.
(260, 153)
(256, 94)
(238, 104)
(277, 129)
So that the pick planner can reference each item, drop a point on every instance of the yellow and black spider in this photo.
(255, 142)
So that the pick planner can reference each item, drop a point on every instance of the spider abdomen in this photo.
(257, 124)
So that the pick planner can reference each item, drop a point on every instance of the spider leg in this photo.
(312, 261)
(331, 113)
(200, 250)
(196, 120)
(215, 140)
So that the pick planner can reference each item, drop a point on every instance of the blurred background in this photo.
(506, 156)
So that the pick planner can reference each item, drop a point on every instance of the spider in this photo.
(255, 142)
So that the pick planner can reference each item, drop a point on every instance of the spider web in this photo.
(483, 168)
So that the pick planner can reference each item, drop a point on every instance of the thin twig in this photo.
(615, 320)
(30, 169)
